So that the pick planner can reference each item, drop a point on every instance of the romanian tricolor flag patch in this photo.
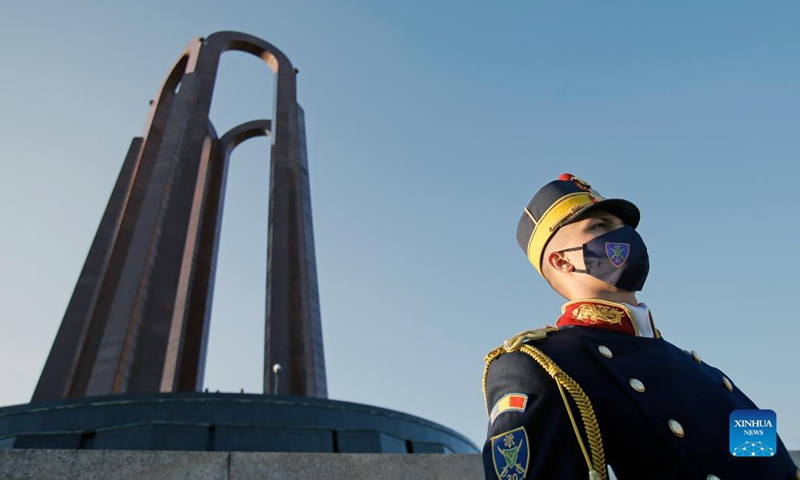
(510, 402)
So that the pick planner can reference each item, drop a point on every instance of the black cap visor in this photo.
(625, 210)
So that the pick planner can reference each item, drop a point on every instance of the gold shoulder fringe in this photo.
(515, 343)
(512, 345)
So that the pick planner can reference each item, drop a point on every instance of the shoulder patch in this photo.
(514, 343)
(510, 402)
(511, 454)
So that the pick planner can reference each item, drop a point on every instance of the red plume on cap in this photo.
(566, 177)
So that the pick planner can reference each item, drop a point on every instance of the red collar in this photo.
(601, 314)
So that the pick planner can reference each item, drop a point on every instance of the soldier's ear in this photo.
(559, 262)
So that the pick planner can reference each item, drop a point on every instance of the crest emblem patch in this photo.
(618, 253)
(511, 454)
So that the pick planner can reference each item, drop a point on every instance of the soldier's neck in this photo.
(618, 296)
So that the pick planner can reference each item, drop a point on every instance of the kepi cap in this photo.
(560, 202)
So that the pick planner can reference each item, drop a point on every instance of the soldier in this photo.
(603, 387)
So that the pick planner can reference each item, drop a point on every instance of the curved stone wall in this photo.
(222, 422)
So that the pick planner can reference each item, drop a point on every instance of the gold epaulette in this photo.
(515, 343)
(512, 345)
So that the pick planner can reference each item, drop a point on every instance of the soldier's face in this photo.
(593, 226)
(577, 233)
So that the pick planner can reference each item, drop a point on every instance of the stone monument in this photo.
(126, 368)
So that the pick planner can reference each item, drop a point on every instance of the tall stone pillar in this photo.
(138, 320)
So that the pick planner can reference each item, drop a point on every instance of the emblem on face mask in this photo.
(618, 253)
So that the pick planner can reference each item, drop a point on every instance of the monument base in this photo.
(222, 422)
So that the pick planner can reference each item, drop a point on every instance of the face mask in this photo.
(618, 258)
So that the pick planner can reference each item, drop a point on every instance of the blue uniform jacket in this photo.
(659, 412)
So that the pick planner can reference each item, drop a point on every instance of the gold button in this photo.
(636, 385)
(727, 383)
(604, 351)
(712, 477)
(797, 475)
(696, 357)
(676, 428)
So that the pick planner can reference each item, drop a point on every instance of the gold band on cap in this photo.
(551, 220)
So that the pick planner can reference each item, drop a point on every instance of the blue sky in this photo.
(430, 126)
